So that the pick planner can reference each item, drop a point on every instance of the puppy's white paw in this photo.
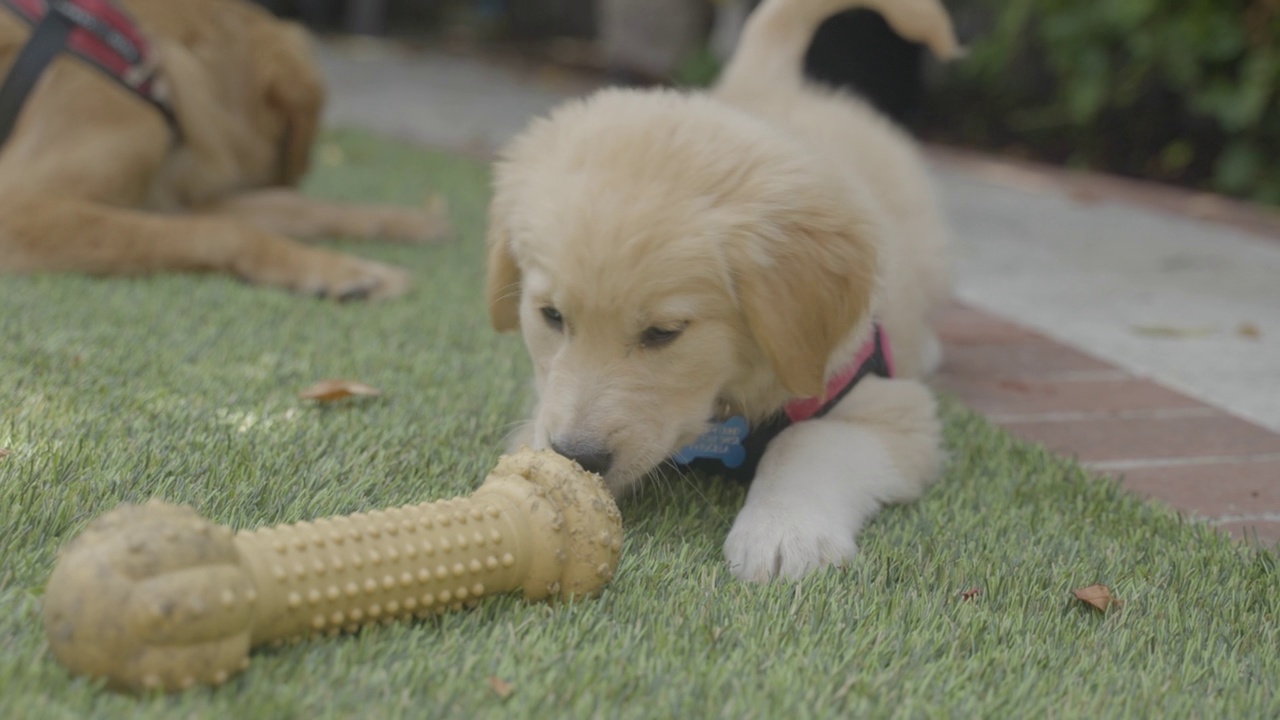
(770, 542)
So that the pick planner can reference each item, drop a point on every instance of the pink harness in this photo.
(805, 408)
(733, 448)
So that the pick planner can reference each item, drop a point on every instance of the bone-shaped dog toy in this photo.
(154, 597)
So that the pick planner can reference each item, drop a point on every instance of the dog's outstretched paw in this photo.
(361, 279)
(324, 274)
(768, 543)
(427, 224)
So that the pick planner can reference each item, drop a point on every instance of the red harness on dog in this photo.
(96, 31)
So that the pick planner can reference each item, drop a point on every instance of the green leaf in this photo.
(1176, 155)
(1180, 66)
(1239, 103)
(1088, 88)
(1237, 168)
(1215, 37)
(1064, 28)
(1258, 80)
(1269, 191)
(1129, 81)
(1126, 15)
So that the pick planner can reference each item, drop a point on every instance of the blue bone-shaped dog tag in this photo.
(723, 442)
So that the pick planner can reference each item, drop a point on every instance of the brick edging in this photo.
(1155, 441)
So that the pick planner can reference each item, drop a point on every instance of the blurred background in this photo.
(1185, 92)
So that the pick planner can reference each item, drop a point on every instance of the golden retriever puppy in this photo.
(94, 179)
(688, 267)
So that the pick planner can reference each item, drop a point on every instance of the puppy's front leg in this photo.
(821, 480)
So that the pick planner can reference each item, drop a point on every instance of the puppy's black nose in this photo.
(591, 458)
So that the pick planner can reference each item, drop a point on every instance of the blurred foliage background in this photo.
(1185, 92)
(1182, 91)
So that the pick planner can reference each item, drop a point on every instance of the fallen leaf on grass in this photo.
(970, 594)
(1169, 331)
(330, 390)
(501, 688)
(1099, 596)
(1249, 330)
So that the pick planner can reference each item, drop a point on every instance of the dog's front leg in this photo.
(289, 212)
(821, 480)
(62, 235)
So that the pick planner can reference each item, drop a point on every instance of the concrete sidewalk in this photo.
(1141, 341)
(435, 98)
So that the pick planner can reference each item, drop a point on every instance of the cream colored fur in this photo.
(94, 181)
(673, 257)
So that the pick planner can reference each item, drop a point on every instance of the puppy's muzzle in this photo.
(591, 456)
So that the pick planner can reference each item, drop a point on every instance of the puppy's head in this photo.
(669, 261)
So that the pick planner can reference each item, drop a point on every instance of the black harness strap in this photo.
(98, 32)
(48, 38)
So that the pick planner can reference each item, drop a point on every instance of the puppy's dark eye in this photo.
(656, 337)
(553, 318)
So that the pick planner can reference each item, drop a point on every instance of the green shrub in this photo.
(1185, 91)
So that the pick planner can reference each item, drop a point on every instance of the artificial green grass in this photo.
(185, 388)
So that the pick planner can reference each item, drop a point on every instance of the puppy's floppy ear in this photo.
(502, 281)
(802, 284)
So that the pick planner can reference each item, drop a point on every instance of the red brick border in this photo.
(1155, 441)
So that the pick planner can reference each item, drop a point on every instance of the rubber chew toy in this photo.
(154, 597)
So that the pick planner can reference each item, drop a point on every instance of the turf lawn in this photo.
(185, 388)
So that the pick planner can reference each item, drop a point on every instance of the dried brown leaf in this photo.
(501, 688)
(330, 390)
(1169, 331)
(1099, 596)
(1249, 330)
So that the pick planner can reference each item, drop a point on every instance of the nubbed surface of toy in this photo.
(153, 596)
